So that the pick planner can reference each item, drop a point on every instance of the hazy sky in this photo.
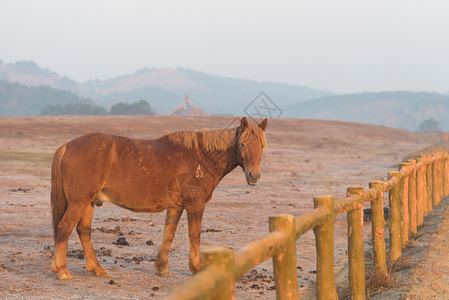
(342, 46)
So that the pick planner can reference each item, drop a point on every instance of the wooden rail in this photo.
(413, 191)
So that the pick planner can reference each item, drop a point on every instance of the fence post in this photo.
(412, 197)
(439, 179)
(404, 204)
(445, 175)
(284, 263)
(419, 192)
(222, 259)
(378, 228)
(356, 251)
(440, 175)
(425, 207)
(324, 239)
(395, 220)
(429, 182)
(435, 195)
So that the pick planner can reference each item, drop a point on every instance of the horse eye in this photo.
(243, 145)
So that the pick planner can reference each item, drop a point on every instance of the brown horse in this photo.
(175, 172)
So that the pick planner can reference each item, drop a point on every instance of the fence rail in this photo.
(413, 191)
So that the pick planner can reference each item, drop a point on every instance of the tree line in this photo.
(141, 107)
(18, 99)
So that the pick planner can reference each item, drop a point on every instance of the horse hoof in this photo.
(193, 270)
(65, 276)
(99, 272)
(62, 273)
(164, 273)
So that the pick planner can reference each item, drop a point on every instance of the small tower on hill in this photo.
(186, 108)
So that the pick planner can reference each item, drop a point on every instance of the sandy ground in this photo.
(305, 158)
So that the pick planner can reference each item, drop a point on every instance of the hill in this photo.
(17, 99)
(164, 88)
(215, 94)
(31, 74)
(405, 110)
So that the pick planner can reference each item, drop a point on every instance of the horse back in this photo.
(134, 174)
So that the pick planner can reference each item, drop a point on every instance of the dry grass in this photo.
(404, 262)
(32, 163)
(436, 148)
(37, 159)
(430, 279)
(376, 281)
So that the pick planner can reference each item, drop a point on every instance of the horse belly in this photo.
(141, 182)
(136, 202)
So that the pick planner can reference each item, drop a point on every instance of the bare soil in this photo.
(305, 158)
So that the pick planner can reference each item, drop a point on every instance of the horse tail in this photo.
(58, 198)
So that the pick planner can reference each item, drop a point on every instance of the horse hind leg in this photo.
(65, 227)
(83, 228)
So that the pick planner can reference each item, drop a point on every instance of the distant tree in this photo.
(74, 109)
(56, 109)
(18, 99)
(141, 107)
(429, 125)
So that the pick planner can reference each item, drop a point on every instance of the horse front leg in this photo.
(194, 218)
(171, 224)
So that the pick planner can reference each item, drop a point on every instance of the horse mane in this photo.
(216, 139)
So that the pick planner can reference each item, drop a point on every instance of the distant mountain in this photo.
(30, 74)
(17, 99)
(225, 95)
(404, 110)
(26, 88)
(164, 89)
(168, 79)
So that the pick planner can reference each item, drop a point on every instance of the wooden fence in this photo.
(413, 191)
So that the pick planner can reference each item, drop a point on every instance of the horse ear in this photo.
(263, 124)
(243, 123)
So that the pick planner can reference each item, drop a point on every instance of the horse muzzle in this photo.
(252, 177)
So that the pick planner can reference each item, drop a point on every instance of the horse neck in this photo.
(220, 163)
(232, 161)
(231, 155)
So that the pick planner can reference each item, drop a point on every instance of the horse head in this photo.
(251, 142)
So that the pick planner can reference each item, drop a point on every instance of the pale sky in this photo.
(338, 45)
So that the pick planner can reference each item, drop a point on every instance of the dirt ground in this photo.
(305, 158)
